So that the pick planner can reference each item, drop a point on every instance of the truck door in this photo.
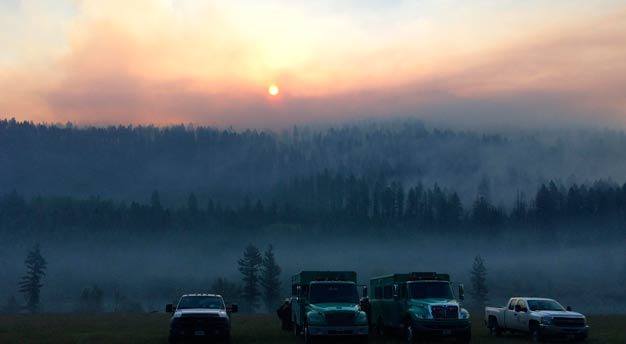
(516, 322)
(399, 304)
(523, 317)
(386, 305)
(297, 307)
(509, 315)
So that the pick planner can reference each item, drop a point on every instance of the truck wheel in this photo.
(409, 335)
(494, 328)
(307, 335)
(379, 330)
(535, 334)
(296, 330)
(465, 337)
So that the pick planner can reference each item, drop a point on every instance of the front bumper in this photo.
(200, 332)
(565, 332)
(338, 330)
(443, 328)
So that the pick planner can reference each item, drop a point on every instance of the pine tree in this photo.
(91, 300)
(270, 280)
(479, 291)
(30, 285)
(231, 292)
(249, 267)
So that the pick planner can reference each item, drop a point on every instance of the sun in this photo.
(273, 90)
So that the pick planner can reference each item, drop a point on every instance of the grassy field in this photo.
(152, 328)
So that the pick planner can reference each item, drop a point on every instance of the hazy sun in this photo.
(273, 90)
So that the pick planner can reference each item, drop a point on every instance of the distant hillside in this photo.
(128, 163)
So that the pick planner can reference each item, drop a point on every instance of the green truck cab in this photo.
(326, 303)
(420, 304)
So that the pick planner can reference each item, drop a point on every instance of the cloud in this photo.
(182, 61)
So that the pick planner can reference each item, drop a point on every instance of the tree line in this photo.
(260, 281)
(328, 200)
(129, 162)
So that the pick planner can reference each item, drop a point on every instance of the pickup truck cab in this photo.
(540, 317)
(200, 316)
(418, 304)
(326, 304)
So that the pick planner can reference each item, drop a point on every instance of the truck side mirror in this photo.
(169, 308)
(569, 308)
(232, 308)
(461, 292)
(364, 291)
(395, 290)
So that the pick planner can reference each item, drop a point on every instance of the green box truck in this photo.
(420, 304)
(326, 303)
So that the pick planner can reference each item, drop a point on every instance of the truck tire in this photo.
(465, 337)
(535, 333)
(408, 335)
(307, 336)
(379, 328)
(297, 330)
(494, 328)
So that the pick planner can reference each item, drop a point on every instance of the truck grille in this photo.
(445, 312)
(340, 318)
(202, 321)
(569, 322)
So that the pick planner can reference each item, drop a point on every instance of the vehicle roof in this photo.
(333, 282)
(532, 298)
(201, 294)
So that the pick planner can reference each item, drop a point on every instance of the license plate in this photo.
(447, 332)
(198, 333)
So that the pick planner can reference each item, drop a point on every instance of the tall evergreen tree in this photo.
(30, 285)
(270, 279)
(230, 291)
(249, 266)
(479, 290)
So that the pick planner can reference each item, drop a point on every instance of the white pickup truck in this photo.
(538, 316)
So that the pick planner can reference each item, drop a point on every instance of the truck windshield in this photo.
(333, 292)
(209, 302)
(427, 290)
(544, 305)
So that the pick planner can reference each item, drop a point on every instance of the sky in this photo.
(476, 63)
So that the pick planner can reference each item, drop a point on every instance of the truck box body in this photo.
(420, 302)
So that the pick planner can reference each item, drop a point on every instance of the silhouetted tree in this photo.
(479, 290)
(249, 267)
(121, 304)
(91, 300)
(230, 291)
(270, 279)
(31, 284)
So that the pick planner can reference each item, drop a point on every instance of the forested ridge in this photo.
(126, 163)
(331, 201)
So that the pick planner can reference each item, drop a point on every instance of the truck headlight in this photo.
(361, 318)
(546, 320)
(223, 314)
(315, 318)
(464, 314)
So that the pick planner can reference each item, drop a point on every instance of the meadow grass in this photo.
(153, 328)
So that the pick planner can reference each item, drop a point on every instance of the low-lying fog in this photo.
(154, 271)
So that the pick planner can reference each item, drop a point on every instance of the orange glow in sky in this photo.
(205, 61)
